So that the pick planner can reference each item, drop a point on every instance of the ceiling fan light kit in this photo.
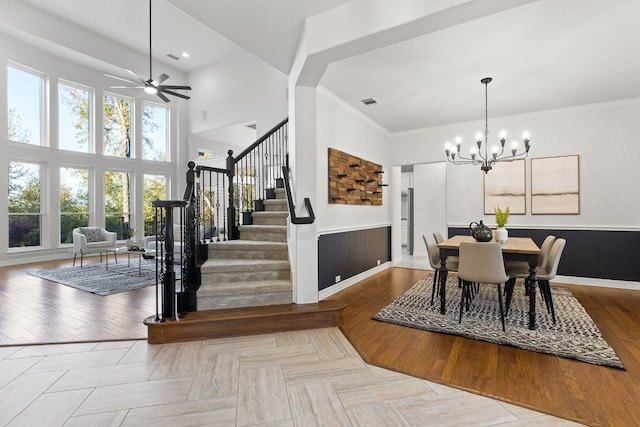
(152, 86)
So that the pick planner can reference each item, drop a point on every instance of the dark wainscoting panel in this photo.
(589, 253)
(351, 252)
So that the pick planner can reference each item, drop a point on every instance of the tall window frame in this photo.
(78, 130)
(75, 200)
(155, 187)
(119, 201)
(25, 115)
(156, 144)
(25, 203)
(117, 126)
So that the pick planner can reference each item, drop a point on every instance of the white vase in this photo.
(501, 235)
(129, 243)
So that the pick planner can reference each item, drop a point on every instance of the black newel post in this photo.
(232, 229)
(192, 278)
(169, 274)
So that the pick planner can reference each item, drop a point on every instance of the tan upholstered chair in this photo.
(93, 240)
(434, 260)
(545, 249)
(482, 263)
(544, 274)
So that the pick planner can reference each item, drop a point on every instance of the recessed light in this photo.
(185, 54)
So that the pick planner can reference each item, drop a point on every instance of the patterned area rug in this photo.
(573, 336)
(96, 279)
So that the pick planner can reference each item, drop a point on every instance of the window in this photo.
(155, 188)
(154, 132)
(74, 109)
(25, 106)
(117, 127)
(74, 201)
(25, 214)
(118, 202)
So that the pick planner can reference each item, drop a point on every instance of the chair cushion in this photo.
(92, 234)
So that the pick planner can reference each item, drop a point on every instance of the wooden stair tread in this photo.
(232, 322)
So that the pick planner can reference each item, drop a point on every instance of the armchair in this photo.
(93, 240)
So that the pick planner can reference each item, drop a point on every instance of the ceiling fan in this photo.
(151, 86)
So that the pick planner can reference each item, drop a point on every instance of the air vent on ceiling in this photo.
(172, 56)
(369, 101)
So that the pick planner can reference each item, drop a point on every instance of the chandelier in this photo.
(486, 159)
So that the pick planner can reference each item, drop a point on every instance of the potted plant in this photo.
(128, 234)
(502, 216)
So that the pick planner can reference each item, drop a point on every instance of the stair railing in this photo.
(217, 198)
(292, 206)
(227, 195)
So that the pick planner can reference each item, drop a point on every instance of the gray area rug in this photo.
(573, 336)
(96, 279)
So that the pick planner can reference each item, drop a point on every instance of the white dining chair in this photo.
(481, 263)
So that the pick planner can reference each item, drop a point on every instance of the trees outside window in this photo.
(155, 188)
(74, 201)
(117, 194)
(155, 140)
(117, 127)
(25, 206)
(74, 111)
(25, 106)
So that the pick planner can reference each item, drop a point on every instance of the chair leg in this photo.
(462, 300)
(549, 299)
(81, 258)
(74, 260)
(115, 256)
(501, 305)
(436, 283)
(508, 289)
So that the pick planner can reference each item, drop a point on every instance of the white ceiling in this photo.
(542, 55)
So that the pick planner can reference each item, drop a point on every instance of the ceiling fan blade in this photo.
(120, 78)
(175, 87)
(164, 98)
(127, 87)
(162, 77)
(170, 92)
(139, 77)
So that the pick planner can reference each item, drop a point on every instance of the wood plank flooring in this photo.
(579, 391)
(33, 310)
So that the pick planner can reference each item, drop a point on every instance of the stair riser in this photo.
(275, 206)
(269, 236)
(269, 221)
(245, 276)
(220, 302)
(247, 254)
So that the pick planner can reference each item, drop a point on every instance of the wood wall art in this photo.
(354, 181)
(504, 186)
(555, 185)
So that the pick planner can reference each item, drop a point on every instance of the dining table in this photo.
(514, 249)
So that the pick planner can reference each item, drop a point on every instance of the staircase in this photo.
(254, 270)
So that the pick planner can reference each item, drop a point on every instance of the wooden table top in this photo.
(517, 245)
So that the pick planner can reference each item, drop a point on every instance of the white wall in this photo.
(239, 89)
(342, 128)
(605, 136)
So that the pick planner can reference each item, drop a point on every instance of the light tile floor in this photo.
(305, 378)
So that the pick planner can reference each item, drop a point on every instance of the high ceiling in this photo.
(542, 55)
